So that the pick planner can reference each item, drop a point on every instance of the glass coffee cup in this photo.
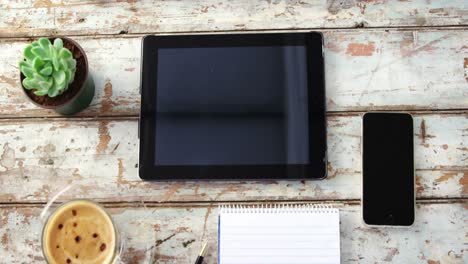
(80, 231)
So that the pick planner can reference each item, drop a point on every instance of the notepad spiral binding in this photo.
(276, 208)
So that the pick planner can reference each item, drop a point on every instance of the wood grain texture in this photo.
(365, 70)
(101, 157)
(56, 17)
(176, 234)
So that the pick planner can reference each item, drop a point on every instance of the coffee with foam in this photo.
(80, 232)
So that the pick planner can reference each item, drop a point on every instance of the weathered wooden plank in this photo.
(101, 157)
(365, 70)
(438, 235)
(38, 17)
(404, 70)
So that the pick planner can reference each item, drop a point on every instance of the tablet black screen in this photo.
(232, 106)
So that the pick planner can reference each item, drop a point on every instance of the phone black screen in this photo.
(388, 169)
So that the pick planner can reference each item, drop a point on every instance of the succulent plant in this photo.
(48, 68)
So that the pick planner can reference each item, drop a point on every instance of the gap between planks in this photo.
(252, 31)
(22, 119)
(199, 204)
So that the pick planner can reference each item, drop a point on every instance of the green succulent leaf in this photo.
(41, 92)
(72, 76)
(30, 83)
(44, 43)
(27, 71)
(39, 77)
(52, 51)
(63, 64)
(24, 63)
(37, 63)
(57, 89)
(35, 44)
(65, 53)
(55, 63)
(45, 85)
(40, 52)
(46, 71)
(58, 43)
(68, 76)
(53, 91)
(27, 53)
(71, 64)
(59, 77)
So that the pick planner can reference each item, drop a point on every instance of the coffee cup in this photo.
(80, 231)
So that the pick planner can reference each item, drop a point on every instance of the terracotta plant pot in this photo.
(80, 92)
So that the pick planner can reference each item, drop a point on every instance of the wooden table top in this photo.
(380, 55)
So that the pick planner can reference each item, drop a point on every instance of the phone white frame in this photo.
(362, 174)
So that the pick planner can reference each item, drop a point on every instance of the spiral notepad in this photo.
(278, 234)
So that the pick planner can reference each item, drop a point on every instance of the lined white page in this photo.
(299, 235)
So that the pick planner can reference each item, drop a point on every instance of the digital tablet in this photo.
(233, 107)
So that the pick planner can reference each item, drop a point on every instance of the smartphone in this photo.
(388, 197)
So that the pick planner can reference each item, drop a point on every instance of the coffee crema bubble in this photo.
(79, 232)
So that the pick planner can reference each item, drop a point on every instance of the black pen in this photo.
(201, 255)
